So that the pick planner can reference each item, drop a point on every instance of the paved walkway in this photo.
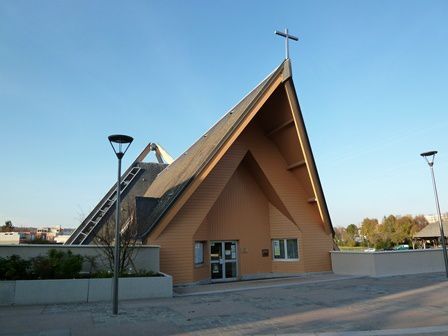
(236, 286)
(325, 305)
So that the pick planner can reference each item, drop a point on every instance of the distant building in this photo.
(63, 235)
(24, 235)
(49, 233)
(44, 234)
(9, 238)
(435, 218)
(430, 234)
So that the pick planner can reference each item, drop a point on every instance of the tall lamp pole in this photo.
(429, 157)
(120, 144)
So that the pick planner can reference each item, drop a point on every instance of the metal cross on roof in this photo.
(287, 37)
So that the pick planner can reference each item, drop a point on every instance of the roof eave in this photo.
(320, 196)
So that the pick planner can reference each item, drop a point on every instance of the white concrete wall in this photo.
(356, 263)
(386, 263)
(50, 291)
(409, 262)
(9, 238)
(147, 257)
(26, 292)
(131, 288)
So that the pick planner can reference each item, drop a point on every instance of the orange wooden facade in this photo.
(260, 186)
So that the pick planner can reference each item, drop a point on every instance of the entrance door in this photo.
(223, 260)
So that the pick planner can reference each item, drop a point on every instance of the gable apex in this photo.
(179, 180)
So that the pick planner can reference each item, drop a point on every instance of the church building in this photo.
(245, 200)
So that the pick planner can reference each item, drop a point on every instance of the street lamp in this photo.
(120, 144)
(429, 157)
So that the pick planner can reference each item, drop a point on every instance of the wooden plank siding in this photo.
(241, 213)
(316, 242)
(218, 156)
(178, 235)
(250, 196)
(282, 227)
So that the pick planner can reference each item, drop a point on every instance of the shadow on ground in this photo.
(343, 305)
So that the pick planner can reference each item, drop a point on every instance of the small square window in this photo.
(285, 249)
(198, 253)
(291, 247)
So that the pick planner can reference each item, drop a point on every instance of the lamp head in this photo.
(118, 142)
(429, 157)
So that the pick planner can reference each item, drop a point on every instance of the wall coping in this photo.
(388, 252)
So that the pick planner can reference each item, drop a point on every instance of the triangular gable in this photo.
(176, 183)
(265, 185)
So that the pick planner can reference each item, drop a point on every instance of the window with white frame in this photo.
(285, 249)
(198, 253)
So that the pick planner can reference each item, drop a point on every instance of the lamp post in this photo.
(429, 157)
(120, 144)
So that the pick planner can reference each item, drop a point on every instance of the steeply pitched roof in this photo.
(137, 187)
(432, 230)
(173, 180)
(170, 183)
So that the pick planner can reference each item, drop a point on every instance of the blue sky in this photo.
(371, 76)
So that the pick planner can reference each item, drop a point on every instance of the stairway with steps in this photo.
(97, 216)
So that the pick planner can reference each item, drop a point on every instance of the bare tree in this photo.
(105, 240)
(80, 214)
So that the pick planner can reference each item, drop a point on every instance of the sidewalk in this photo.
(322, 304)
(236, 286)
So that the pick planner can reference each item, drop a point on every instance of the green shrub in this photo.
(14, 268)
(56, 265)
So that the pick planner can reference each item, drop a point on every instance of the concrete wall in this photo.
(11, 238)
(146, 257)
(25, 292)
(386, 263)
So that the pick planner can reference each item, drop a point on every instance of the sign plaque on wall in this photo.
(276, 247)
(265, 252)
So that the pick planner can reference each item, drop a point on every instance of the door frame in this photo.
(222, 261)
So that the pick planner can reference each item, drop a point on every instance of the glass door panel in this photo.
(230, 270)
(223, 260)
(230, 250)
(216, 260)
(215, 251)
(216, 271)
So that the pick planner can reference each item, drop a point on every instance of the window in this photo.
(198, 253)
(285, 249)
